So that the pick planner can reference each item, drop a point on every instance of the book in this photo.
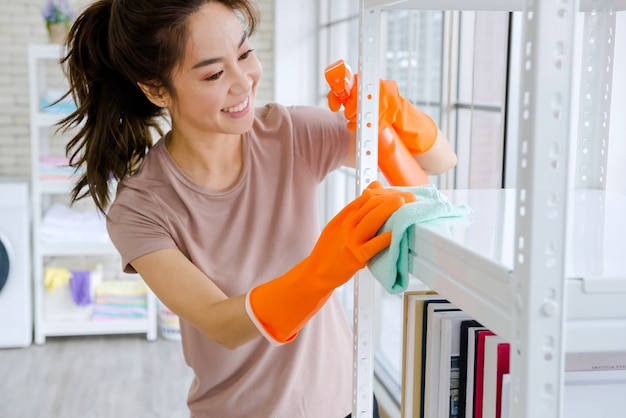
(506, 396)
(413, 304)
(496, 365)
(449, 369)
(435, 312)
(467, 328)
(503, 369)
(479, 369)
(424, 336)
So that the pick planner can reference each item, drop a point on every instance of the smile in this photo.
(234, 109)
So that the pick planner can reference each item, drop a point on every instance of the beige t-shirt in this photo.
(255, 231)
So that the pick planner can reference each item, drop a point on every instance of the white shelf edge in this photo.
(45, 51)
(49, 249)
(48, 119)
(57, 328)
(483, 5)
(55, 186)
(589, 336)
(482, 286)
(494, 5)
(486, 307)
(602, 5)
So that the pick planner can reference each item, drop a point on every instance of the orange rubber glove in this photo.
(417, 131)
(283, 305)
(395, 159)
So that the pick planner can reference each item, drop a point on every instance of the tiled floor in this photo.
(99, 377)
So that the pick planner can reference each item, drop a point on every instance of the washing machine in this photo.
(16, 319)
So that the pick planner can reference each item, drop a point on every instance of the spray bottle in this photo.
(394, 159)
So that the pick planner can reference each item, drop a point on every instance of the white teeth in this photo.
(241, 106)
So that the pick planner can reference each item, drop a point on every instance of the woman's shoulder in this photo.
(272, 115)
(149, 174)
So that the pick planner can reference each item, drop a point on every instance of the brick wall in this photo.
(20, 24)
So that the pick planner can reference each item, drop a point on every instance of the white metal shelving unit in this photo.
(40, 60)
(548, 271)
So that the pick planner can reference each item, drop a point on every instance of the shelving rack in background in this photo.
(44, 76)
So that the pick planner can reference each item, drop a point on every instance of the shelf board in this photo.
(49, 249)
(55, 186)
(89, 327)
(470, 260)
(604, 5)
(478, 5)
(45, 51)
(47, 119)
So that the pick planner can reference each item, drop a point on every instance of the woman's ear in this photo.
(156, 93)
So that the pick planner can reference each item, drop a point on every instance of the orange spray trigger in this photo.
(395, 159)
(340, 79)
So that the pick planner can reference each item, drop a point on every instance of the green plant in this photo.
(57, 12)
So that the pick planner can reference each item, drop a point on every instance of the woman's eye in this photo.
(246, 54)
(215, 76)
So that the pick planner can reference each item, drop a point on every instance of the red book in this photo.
(479, 372)
(504, 351)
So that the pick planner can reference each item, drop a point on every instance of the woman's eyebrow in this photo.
(218, 59)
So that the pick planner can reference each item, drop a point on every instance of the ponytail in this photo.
(112, 46)
(113, 116)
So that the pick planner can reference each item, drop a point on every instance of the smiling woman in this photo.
(219, 217)
(113, 50)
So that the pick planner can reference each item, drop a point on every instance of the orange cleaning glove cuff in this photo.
(416, 129)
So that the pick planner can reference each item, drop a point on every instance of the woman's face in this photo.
(216, 82)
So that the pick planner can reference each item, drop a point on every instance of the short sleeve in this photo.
(137, 226)
(321, 138)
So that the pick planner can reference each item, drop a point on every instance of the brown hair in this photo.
(113, 45)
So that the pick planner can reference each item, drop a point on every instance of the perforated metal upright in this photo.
(595, 92)
(367, 171)
(538, 280)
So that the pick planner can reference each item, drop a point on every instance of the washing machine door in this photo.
(4, 263)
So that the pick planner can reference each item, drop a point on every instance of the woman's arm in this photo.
(196, 298)
(350, 160)
(439, 158)
(283, 305)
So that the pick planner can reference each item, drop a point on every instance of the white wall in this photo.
(297, 69)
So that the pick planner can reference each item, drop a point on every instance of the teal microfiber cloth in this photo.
(391, 266)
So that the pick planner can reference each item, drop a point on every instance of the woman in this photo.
(219, 216)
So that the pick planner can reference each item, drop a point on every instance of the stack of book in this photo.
(454, 367)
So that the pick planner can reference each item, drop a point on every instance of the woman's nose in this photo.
(242, 82)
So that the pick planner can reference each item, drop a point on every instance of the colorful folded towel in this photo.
(120, 299)
(391, 266)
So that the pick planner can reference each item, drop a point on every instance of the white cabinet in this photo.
(74, 240)
(539, 264)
